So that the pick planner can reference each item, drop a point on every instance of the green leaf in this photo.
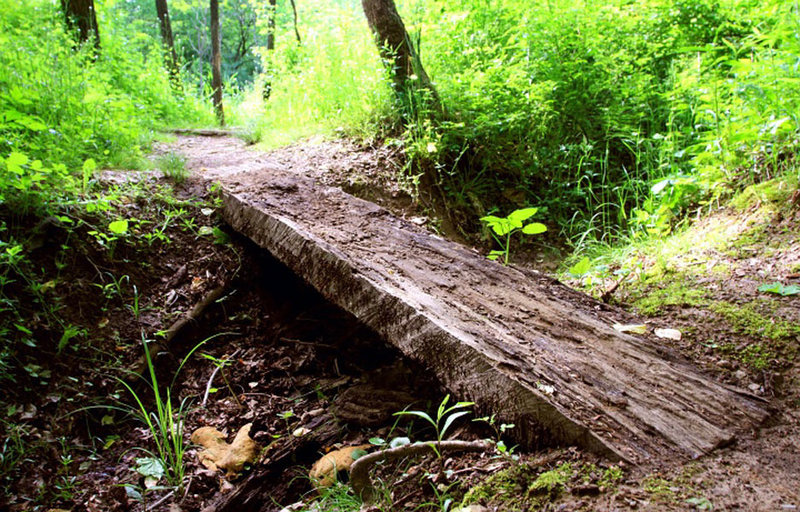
(500, 226)
(89, 166)
(150, 467)
(523, 214)
(118, 227)
(493, 255)
(780, 289)
(15, 161)
(357, 454)
(534, 228)
(377, 441)
(450, 419)
(399, 441)
(581, 268)
(221, 237)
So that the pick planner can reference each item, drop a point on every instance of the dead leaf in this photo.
(634, 328)
(220, 455)
(671, 334)
(323, 472)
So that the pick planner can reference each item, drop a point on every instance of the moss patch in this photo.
(523, 487)
(775, 191)
(757, 318)
(676, 293)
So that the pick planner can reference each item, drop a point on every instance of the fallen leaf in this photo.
(634, 328)
(220, 455)
(671, 334)
(323, 472)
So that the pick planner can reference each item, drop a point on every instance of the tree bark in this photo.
(395, 47)
(294, 15)
(170, 57)
(273, 7)
(80, 15)
(216, 63)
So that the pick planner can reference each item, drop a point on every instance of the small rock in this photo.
(755, 388)
(740, 374)
(473, 508)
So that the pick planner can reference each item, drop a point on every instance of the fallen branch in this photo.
(203, 133)
(179, 325)
(359, 472)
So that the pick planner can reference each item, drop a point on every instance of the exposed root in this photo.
(359, 472)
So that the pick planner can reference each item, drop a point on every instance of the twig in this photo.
(178, 326)
(359, 472)
(203, 133)
(312, 343)
(160, 501)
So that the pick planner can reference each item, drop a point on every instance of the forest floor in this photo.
(287, 361)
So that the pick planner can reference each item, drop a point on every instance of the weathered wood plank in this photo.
(519, 344)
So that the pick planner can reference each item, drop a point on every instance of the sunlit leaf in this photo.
(118, 227)
(534, 228)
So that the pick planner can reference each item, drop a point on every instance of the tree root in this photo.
(359, 472)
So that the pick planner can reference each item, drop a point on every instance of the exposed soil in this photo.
(295, 361)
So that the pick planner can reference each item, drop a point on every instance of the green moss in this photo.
(507, 487)
(675, 293)
(552, 482)
(776, 191)
(757, 318)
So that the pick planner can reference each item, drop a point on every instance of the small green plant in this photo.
(502, 228)
(165, 424)
(221, 363)
(445, 416)
(499, 430)
(780, 289)
(173, 165)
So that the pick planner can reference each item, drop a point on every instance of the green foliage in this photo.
(64, 106)
(165, 425)
(620, 118)
(445, 416)
(333, 83)
(503, 227)
(173, 165)
(780, 289)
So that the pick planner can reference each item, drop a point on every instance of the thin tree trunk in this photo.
(170, 57)
(81, 15)
(216, 62)
(294, 14)
(395, 46)
(273, 8)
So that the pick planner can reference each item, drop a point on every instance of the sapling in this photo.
(502, 228)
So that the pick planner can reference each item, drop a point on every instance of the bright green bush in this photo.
(333, 82)
(63, 105)
(615, 117)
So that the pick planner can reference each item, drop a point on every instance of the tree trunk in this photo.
(216, 62)
(294, 15)
(170, 57)
(395, 47)
(80, 15)
(273, 7)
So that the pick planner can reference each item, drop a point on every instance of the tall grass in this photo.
(333, 83)
(63, 105)
(615, 117)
